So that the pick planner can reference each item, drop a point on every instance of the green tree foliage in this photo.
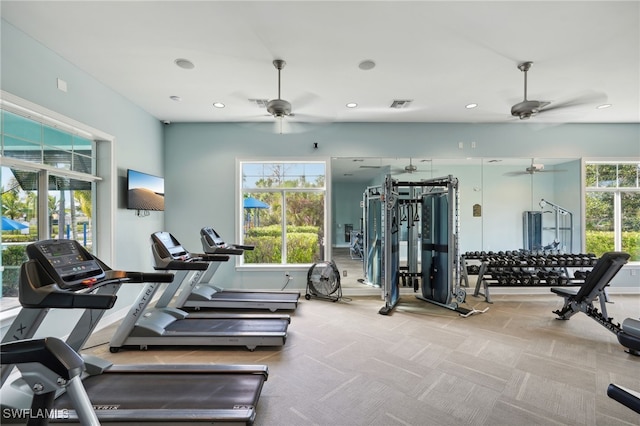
(304, 216)
(302, 244)
(13, 206)
(12, 258)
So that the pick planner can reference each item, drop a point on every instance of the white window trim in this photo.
(106, 191)
(583, 203)
(239, 213)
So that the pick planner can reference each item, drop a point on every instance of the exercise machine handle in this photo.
(51, 352)
(149, 277)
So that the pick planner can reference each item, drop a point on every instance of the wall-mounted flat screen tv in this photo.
(144, 191)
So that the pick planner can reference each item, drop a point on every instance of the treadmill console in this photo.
(212, 237)
(168, 246)
(67, 262)
(212, 242)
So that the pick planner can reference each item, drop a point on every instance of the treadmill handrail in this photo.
(51, 352)
(62, 370)
(211, 244)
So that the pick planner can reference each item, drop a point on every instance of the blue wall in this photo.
(201, 172)
(30, 71)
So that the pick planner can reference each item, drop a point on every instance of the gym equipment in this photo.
(526, 268)
(59, 369)
(582, 300)
(373, 238)
(427, 211)
(356, 250)
(323, 282)
(62, 274)
(163, 325)
(535, 228)
(624, 396)
(207, 295)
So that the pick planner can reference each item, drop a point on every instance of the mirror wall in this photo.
(494, 193)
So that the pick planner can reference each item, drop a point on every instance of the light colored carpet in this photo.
(344, 364)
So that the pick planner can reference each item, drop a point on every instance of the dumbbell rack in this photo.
(524, 269)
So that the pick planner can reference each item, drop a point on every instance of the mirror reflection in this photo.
(505, 203)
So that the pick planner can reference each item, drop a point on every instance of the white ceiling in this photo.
(442, 55)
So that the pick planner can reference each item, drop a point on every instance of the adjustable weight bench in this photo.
(583, 298)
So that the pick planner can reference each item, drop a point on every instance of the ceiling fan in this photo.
(533, 169)
(528, 108)
(410, 168)
(279, 108)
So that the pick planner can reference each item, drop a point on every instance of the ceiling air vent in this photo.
(261, 103)
(399, 103)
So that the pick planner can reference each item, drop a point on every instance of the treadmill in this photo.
(62, 274)
(164, 325)
(206, 295)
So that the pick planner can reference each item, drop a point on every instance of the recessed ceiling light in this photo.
(470, 106)
(175, 98)
(603, 106)
(218, 105)
(184, 63)
(366, 64)
(352, 105)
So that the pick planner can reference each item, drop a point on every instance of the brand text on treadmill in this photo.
(28, 413)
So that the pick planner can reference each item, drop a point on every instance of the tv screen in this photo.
(144, 191)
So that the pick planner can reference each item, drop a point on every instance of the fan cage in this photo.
(323, 278)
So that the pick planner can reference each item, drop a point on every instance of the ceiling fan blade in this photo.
(592, 98)
(516, 173)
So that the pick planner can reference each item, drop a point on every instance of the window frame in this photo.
(239, 222)
(617, 195)
(104, 168)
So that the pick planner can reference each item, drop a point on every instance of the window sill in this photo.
(274, 268)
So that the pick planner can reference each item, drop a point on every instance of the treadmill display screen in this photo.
(170, 246)
(67, 262)
(212, 237)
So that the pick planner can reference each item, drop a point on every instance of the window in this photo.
(48, 187)
(283, 211)
(612, 216)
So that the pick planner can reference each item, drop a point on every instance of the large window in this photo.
(613, 207)
(283, 211)
(47, 182)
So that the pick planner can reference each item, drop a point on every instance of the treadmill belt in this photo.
(255, 296)
(225, 325)
(191, 391)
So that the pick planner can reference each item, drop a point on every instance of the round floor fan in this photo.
(323, 281)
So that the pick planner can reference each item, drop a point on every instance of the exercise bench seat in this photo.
(594, 288)
(581, 299)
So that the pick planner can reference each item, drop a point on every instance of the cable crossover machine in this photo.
(424, 216)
